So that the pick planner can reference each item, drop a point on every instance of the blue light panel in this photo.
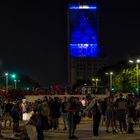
(92, 7)
(84, 50)
(83, 41)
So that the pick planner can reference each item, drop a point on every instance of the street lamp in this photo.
(111, 79)
(137, 61)
(6, 76)
(96, 81)
(15, 81)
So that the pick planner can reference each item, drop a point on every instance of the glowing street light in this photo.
(137, 61)
(131, 61)
(111, 78)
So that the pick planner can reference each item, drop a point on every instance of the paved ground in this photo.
(84, 132)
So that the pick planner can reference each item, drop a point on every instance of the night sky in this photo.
(33, 35)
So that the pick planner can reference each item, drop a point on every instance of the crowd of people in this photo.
(115, 111)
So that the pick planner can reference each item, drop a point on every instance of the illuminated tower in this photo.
(84, 51)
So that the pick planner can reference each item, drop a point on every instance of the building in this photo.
(85, 55)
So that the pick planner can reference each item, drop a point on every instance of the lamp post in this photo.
(111, 79)
(6, 76)
(96, 80)
(137, 72)
(15, 81)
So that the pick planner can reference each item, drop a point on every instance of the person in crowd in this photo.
(45, 111)
(138, 111)
(72, 109)
(55, 112)
(83, 101)
(65, 112)
(50, 101)
(84, 104)
(103, 108)
(34, 106)
(20, 110)
(131, 113)
(7, 113)
(110, 116)
(16, 117)
(39, 127)
(78, 115)
(95, 106)
(38, 107)
(79, 104)
(121, 105)
(1, 116)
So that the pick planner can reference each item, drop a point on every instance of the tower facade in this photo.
(84, 51)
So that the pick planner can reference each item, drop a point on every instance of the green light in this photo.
(13, 76)
(27, 88)
(113, 89)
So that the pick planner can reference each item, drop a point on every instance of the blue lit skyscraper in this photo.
(83, 42)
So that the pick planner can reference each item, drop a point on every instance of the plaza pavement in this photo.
(84, 132)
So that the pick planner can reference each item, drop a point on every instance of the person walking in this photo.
(95, 106)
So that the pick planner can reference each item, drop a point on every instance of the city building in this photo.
(85, 54)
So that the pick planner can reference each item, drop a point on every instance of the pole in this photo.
(137, 68)
(110, 82)
(6, 84)
(96, 83)
(15, 84)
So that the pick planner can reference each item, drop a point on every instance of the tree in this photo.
(126, 80)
